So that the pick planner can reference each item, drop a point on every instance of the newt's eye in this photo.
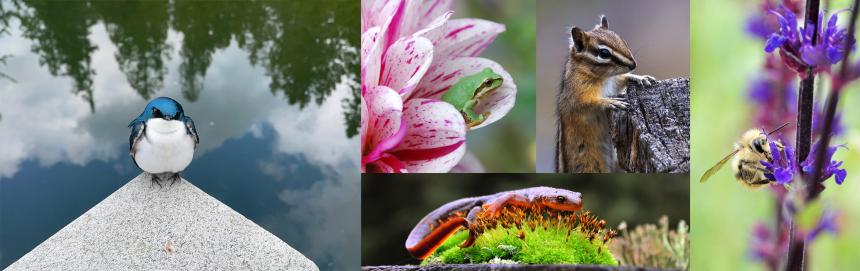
(560, 199)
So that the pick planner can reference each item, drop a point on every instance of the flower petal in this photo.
(432, 9)
(405, 64)
(370, 57)
(385, 112)
(497, 104)
(773, 42)
(436, 139)
(365, 115)
(469, 164)
(373, 13)
(467, 37)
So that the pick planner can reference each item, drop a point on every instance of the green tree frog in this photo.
(468, 92)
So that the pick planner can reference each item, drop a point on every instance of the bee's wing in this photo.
(717, 167)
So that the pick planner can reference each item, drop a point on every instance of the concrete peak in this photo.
(143, 226)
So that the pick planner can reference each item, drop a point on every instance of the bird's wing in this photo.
(189, 127)
(138, 128)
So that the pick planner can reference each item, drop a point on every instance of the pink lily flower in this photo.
(411, 54)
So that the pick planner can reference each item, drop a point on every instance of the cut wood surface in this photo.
(653, 134)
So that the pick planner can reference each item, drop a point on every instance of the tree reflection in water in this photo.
(306, 47)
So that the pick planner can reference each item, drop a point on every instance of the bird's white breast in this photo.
(166, 147)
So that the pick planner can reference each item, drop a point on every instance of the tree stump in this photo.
(653, 134)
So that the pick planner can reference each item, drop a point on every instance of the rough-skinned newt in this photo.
(443, 222)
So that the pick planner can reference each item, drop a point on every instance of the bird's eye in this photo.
(156, 113)
(560, 199)
(603, 53)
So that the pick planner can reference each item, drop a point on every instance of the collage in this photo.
(417, 135)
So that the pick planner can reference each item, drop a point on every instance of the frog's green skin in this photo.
(468, 92)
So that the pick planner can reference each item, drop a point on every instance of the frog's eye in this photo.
(560, 199)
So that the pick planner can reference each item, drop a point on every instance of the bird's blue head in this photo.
(162, 108)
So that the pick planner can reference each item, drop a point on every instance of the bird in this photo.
(163, 139)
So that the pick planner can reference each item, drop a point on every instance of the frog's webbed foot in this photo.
(478, 120)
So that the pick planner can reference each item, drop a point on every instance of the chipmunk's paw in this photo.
(616, 103)
(645, 80)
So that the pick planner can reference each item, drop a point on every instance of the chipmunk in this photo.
(595, 80)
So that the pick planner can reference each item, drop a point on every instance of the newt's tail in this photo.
(432, 241)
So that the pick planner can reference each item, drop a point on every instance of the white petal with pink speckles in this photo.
(436, 138)
(405, 64)
(498, 103)
(469, 164)
(370, 57)
(365, 116)
(466, 37)
(385, 110)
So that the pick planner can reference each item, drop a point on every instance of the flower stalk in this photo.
(796, 248)
(830, 111)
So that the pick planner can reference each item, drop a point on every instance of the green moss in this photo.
(541, 246)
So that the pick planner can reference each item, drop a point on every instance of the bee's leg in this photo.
(760, 182)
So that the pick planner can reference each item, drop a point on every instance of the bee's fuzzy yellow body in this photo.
(752, 148)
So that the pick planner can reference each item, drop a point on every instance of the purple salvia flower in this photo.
(761, 243)
(831, 168)
(782, 168)
(828, 222)
(795, 42)
(831, 43)
(818, 123)
(787, 30)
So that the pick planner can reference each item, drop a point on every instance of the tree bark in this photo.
(653, 134)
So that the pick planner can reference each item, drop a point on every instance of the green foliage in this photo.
(549, 245)
(654, 246)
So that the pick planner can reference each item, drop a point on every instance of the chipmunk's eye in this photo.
(560, 199)
(603, 53)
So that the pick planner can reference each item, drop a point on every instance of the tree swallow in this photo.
(163, 139)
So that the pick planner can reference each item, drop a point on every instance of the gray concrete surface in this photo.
(143, 226)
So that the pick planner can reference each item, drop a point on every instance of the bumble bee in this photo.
(752, 148)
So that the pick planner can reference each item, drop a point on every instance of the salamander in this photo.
(440, 224)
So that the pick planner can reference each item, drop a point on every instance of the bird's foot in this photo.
(154, 179)
(174, 177)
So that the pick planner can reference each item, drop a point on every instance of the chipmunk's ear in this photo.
(577, 39)
(603, 23)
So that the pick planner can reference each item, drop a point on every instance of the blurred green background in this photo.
(508, 144)
(391, 205)
(724, 60)
(655, 30)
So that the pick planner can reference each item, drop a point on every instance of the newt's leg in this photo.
(470, 218)
(493, 208)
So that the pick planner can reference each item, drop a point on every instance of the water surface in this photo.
(272, 87)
